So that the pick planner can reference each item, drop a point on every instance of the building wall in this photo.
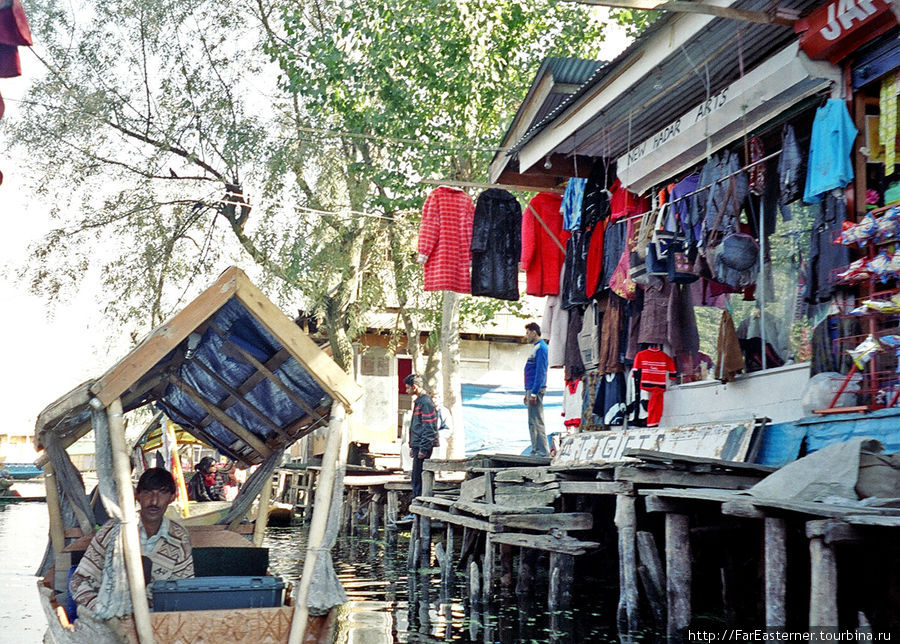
(774, 393)
(375, 416)
(485, 362)
(16, 449)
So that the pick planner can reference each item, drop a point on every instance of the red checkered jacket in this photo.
(445, 240)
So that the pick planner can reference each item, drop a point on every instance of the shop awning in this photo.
(778, 83)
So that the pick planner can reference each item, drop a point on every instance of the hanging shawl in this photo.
(74, 504)
(113, 596)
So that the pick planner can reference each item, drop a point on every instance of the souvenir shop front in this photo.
(707, 271)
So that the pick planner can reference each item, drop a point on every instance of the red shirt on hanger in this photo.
(655, 367)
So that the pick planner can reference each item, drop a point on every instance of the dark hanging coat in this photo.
(496, 245)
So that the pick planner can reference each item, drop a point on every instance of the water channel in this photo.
(374, 576)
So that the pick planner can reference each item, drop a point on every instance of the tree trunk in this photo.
(451, 382)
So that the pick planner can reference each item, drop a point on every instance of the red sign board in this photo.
(835, 30)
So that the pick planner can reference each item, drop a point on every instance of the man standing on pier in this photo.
(535, 386)
(423, 430)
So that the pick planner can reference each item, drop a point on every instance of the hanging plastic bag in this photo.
(864, 351)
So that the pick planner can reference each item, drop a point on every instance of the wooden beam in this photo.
(166, 337)
(545, 522)
(688, 479)
(595, 487)
(230, 423)
(131, 540)
(447, 517)
(491, 509)
(319, 365)
(563, 545)
(680, 6)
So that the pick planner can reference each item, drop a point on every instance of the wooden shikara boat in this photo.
(235, 372)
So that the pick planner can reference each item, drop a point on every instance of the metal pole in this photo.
(760, 282)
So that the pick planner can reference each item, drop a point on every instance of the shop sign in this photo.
(773, 86)
(835, 30)
(676, 127)
(729, 441)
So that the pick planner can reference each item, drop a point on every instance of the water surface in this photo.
(385, 603)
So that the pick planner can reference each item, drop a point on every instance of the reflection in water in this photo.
(387, 605)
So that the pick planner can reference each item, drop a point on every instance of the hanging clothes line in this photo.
(703, 188)
(475, 184)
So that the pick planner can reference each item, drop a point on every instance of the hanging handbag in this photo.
(662, 238)
(638, 271)
(682, 266)
(644, 234)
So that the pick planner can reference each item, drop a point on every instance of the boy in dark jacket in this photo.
(423, 430)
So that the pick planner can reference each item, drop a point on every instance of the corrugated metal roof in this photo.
(564, 71)
(570, 71)
(717, 52)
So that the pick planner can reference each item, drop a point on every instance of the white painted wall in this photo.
(774, 393)
(375, 416)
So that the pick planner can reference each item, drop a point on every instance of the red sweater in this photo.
(541, 257)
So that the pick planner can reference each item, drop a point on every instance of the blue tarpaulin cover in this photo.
(883, 425)
(218, 353)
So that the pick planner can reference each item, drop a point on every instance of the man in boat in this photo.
(165, 543)
(423, 430)
(535, 386)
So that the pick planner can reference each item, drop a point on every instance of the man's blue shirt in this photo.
(536, 367)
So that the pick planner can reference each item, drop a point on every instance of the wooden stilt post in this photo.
(562, 573)
(353, 493)
(425, 522)
(652, 576)
(823, 610)
(390, 517)
(776, 566)
(57, 529)
(506, 566)
(412, 558)
(130, 536)
(262, 515)
(374, 514)
(475, 590)
(334, 458)
(625, 522)
(525, 580)
(487, 568)
(678, 575)
(447, 578)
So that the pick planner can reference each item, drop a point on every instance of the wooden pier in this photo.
(679, 535)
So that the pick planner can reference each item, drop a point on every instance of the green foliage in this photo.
(156, 119)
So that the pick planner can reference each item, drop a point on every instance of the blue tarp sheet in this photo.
(497, 422)
(883, 425)
(783, 443)
(242, 330)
